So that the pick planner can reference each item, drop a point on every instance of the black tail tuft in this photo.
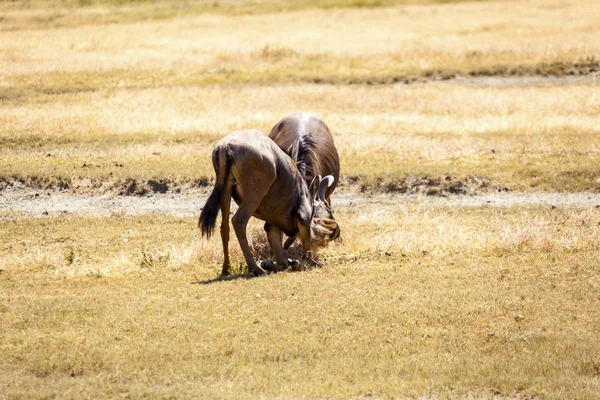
(208, 216)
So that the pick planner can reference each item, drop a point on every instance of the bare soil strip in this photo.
(40, 203)
(521, 80)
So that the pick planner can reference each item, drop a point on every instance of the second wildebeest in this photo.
(265, 183)
(308, 141)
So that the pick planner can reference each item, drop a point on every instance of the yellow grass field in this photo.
(434, 292)
(155, 95)
(442, 302)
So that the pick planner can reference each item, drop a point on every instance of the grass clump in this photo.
(153, 260)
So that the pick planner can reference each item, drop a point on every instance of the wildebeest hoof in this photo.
(267, 265)
(271, 266)
(294, 265)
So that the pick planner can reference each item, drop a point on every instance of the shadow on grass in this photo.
(226, 278)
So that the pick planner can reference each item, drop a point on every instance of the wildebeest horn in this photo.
(314, 186)
(323, 185)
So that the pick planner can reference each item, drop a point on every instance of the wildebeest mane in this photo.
(307, 161)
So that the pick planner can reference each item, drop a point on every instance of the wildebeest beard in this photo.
(323, 231)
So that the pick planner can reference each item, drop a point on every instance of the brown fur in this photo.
(266, 184)
(308, 141)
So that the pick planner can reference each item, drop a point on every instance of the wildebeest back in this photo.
(308, 141)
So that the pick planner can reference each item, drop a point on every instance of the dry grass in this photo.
(147, 100)
(408, 40)
(36, 14)
(533, 138)
(417, 301)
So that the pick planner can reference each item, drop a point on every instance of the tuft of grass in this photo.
(153, 260)
(70, 255)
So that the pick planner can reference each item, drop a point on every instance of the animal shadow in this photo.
(226, 278)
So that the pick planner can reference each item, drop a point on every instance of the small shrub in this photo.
(151, 259)
(70, 255)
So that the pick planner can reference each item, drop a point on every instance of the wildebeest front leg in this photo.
(304, 233)
(275, 236)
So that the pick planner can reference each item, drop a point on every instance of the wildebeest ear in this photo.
(323, 185)
(314, 186)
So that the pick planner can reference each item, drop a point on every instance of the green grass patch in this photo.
(103, 174)
(96, 140)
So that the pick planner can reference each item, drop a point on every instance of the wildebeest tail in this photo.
(208, 216)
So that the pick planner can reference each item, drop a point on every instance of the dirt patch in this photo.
(99, 187)
(30, 203)
(422, 185)
(47, 203)
(133, 187)
(432, 186)
(584, 67)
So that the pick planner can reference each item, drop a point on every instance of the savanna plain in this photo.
(428, 295)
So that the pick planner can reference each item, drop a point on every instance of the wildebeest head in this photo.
(324, 229)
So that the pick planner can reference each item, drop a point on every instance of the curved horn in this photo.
(323, 185)
(314, 187)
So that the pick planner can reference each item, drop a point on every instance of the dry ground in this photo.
(36, 203)
(468, 135)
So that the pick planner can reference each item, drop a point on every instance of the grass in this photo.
(446, 302)
(533, 138)
(36, 14)
(420, 300)
(147, 100)
(463, 38)
(320, 69)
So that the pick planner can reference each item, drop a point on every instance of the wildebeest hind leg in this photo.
(240, 222)
(225, 204)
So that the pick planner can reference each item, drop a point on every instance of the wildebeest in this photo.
(266, 184)
(307, 140)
